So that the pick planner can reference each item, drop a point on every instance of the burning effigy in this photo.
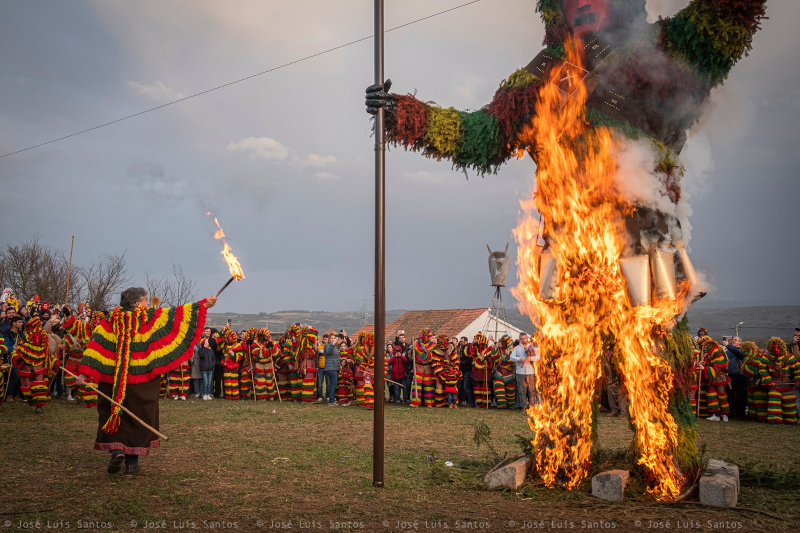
(602, 261)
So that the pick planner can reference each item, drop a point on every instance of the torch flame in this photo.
(233, 263)
(583, 212)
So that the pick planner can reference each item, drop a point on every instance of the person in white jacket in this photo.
(524, 354)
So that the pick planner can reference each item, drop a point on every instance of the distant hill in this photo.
(760, 322)
(349, 321)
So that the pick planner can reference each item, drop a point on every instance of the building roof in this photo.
(451, 322)
(369, 328)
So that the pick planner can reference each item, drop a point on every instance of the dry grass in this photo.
(246, 462)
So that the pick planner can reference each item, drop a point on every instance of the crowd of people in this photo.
(42, 346)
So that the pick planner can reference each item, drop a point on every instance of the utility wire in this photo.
(329, 50)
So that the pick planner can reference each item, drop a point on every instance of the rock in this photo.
(610, 485)
(719, 485)
(718, 490)
(511, 476)
(715, 466)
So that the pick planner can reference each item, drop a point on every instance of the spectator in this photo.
(524, 355)
(397, 372)
(400, 340)
(206, 362)
(14, 337)
(331, 368)
(321, 365)
(738, 395)
(6, 295)
(197, 374)
(218, 370)
(466, 391)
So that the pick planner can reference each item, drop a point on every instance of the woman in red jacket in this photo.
(397, 371)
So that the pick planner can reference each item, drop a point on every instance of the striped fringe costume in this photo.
(264, 355)
(344, 384)
(179, 380)
(424, 386)
(481, 370)
(246, 373)
(307, 363)
(230, 379)
(757, 394)
(163, 390)
(87, 395)
(779, 373)
(31, 358)
(716, 366)
(504, 380)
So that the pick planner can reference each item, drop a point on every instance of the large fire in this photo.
(582, 216)
(233, 262)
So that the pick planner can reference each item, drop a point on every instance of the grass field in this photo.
(259, 465)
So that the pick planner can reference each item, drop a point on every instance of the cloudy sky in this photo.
(285, 159)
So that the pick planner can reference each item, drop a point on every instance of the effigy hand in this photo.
(379, 97)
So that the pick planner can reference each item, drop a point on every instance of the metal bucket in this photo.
(636, 271)
(548, 276)
(663, 266)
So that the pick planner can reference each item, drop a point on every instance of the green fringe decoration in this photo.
(679, 352)
(595, 415)
(481, 143)
(444, 132)
(520, 78)
(599, 120)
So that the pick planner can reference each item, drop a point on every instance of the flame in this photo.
(233, 263)
(582, 213)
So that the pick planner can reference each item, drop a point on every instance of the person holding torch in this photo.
(127, 355)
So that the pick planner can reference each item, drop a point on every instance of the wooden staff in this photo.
(142, 422)
(275, 376)
(252, 370)
(69, 269)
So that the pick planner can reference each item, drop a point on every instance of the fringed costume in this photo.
(757, 393)
(180, 378)
(715, 370)
(481, 370)
(780, 372)
(127, 355)
(31, 358)
(76, 338)
(289, 382)
(424, 386)
(246, 385)
(5, 368)
(233, 352)
(345, 383)
(364, 362)
(441, 358)
(505, 384)
(307, 362)
(264, 353)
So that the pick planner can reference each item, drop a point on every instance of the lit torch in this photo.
(228, 257)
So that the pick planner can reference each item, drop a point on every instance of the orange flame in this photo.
(233, 263)
(582, 213)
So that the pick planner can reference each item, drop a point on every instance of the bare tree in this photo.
(34, 268)
(103, 279)
(174, 290)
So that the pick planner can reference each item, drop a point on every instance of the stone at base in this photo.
(610, 485)
(718, 490)
(511, 476)
(716, 466)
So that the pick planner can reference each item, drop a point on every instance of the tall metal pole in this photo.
(380, 260)
(69, 270)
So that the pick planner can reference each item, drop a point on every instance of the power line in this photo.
(329, 50)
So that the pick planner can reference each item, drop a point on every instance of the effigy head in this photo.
(480, 340)
(499, 263)
(581, 17)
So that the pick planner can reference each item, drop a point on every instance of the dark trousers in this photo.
(466, 389)
(407, 386)
(218, 381)
(331, 378)
(13, 383)
(395, 390)
(737, 396)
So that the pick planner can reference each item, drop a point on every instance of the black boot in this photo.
(115, 464)
(131, 465)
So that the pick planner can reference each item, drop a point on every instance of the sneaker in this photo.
(333, 404)
(713, 418)
(724, 418)
(70, 398)
(10, 399)
(182, 398)
(174, 397)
